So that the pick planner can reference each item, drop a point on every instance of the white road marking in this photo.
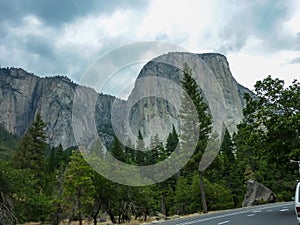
(230, 214)
(251, 214)
(223, 222)
(283, 210)
(256, 211)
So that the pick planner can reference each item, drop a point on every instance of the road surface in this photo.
(270, 214)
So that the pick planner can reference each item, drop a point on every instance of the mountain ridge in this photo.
(25, 94)
(213, 75)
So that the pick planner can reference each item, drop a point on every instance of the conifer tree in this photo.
(140, 150)
(194, 122)
(78, 187)
(117, 150)
(172, 141)
(30, 153)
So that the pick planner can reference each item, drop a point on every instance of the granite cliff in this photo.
(212, 73)
(23, 95)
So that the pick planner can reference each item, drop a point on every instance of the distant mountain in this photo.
(210, 70)
(23, 95)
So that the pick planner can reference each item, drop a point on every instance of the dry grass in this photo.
(133, 222)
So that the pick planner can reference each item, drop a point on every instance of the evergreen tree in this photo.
(155, 150)
(172, 141)
(269, 135)
(227, 150)
(140, 152)
(183, 197)
(31, 151)
(55, 157)
(194, 122)
(78, 187)
(8, 143)
(129, 152)
(117, 150)
(230, 175)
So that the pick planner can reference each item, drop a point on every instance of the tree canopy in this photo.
(49, 184)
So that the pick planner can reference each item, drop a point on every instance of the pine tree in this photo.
(230, 173)
(155, 149)
(117, 150)
(182, 196)
(172, 141)
(31, 151)
(196, 126)
(140, 152)
(78, 187)
(227, 149)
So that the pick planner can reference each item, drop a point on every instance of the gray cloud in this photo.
(37, 49)
(70, 34)
(40, 46)
(263, 20)
(56, 13)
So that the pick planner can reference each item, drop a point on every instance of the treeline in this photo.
(42, 183)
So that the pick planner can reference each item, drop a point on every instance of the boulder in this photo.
(101, 220)
(257, 194)
(160, 216)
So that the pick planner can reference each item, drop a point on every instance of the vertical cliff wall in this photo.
(23, 95)
(221, 84)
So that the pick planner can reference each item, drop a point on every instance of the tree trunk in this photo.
(57, 215)
(79, 206)
(203, 197)
(119, 218)
(163, 203)
(111, 215)
(97, 209)
(95, 219)
(80, 218)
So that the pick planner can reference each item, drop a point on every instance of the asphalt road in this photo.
(270, 214)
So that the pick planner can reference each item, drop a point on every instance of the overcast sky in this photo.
(47, 37)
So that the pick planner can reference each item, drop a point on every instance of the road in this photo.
(270, 214)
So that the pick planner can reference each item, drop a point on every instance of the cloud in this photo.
(295, 61)
(49, 37)
(65, 48)
(262, 20)
(54, 13)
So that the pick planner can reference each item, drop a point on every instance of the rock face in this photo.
(23, 95)
(212, 73)
(257, 194)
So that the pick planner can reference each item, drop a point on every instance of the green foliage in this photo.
(117, 150)
(142, 155)
(48, 184)
(218, 196)
(172, 141)
(195, 118)
(196, 126)
(78, 187)
(140, 146)
(268, 137)
(187, 195)
(30, 153)
(183, 197)
(8, 143)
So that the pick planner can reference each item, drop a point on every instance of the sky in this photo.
(258, 37)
